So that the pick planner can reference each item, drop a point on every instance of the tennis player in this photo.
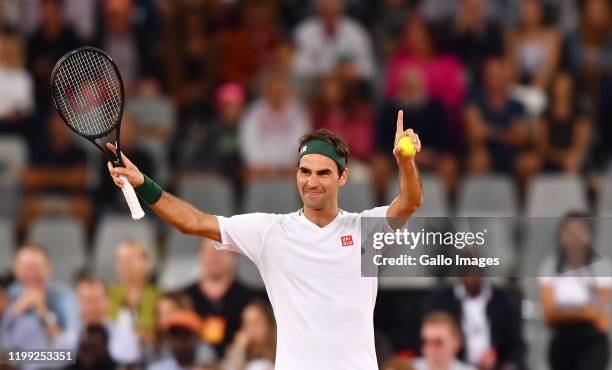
(310, 260)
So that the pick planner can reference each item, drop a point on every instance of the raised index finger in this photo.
(400, 123)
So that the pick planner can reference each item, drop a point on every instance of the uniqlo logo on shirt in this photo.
(347, 240)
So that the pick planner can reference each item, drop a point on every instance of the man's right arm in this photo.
(174, 211)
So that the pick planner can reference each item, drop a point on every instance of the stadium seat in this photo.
(487, 195)
(10, 201)
(212, 194)
(248, 274)
(181, 264)
(7, 245)
(356, 197)
(65, 241)
(435, 203)
(604, 203)
(111, 231)
(271, 196)
(13, 159)
(555, 195)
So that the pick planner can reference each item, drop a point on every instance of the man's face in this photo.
(131, 264)
(32, 268)
(440, 344)
(216, 263)
(496, 75)
(318, 181)
(93, 303)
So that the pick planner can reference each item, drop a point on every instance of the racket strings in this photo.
(88, 92)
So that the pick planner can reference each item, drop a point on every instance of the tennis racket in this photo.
(88, 93)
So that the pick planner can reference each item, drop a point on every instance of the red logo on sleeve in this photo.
(347, 240)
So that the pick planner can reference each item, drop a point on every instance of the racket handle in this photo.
(132, 199)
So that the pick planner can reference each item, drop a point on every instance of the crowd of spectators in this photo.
(226, 88)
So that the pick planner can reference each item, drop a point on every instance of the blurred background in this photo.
(512, 100)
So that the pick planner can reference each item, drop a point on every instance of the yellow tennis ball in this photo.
(407, 146)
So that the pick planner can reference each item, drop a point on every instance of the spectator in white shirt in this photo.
(268, 125)
(441, 342)
(330, 37)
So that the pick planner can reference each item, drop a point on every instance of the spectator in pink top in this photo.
(444, 73)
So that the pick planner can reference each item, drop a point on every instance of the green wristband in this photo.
(149, 191)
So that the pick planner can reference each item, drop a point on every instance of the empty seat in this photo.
(248, 274)
(181, 264)
(487, 195)
(65, 241)
(13, 159)
(435, 202)
(555, 195)
(272, 196)
(10, 201)
(7, 245)
(210, 194)
(111, 231)
(356, 197)
(604, 203)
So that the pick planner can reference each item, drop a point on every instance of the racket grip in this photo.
(132, 199)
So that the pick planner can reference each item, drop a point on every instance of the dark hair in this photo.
(96, 329)
(586, 219)
(330, 137)
(88, 279)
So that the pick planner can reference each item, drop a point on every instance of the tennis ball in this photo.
(407, 147)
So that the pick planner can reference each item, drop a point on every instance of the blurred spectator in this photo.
(533, 51)
(588, 53)
(324, 40)
(564, 131)
(54, 182)
(444, 74)
(254, 345)
(93, 304)
(46, 45)
(425, 116)
(134, 299)
(440, 11)
(189, 55)
(108, 197)
(167, 306)
(19, 332)
(490, 320)
(212, 148)
(16, 89)
(496, 128)
(575, 288)
(389, 23)
(217, 297)
(119, 36)
(473, 37)
(533, 48)
(78, 14)
(441, 338)
(398, 364)
(268, 125)
(93, 350)
(183, 329)
(35, 294)
(246, 48)
(338, 110)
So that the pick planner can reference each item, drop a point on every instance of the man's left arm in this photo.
(411, 193)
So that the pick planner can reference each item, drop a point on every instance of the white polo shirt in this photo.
(323, 307)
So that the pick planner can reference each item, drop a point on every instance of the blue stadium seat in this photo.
(180, 265)
(435, 203)
(555, 195)
(356, 196)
